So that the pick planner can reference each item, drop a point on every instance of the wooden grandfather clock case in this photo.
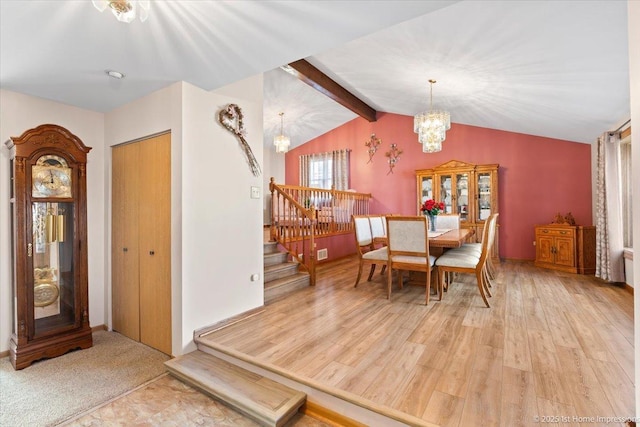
(49, 244)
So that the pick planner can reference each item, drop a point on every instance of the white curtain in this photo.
(609, 244)
(334, 171)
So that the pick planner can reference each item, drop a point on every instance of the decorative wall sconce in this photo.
(372, 144)
(394, 156)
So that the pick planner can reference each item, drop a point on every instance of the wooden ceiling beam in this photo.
(315, 78)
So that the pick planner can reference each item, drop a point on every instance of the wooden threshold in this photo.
(227, 322)
(260, 398)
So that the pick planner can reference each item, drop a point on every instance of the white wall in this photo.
(273, 164)
(222, 225)
(19, 113)
(633, 17)
(152, 114)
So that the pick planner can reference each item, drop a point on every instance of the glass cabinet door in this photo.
(54, 298)
(484, 196)
(462, 196)
(426, 186)
(445, 193)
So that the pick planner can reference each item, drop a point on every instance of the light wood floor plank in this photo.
(617, 386)
(414, 397)
(518, 398)
(444, 410)
(556, 414)
(552, 344)
(588, 396)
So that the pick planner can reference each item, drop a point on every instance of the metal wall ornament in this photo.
(231, 119)
(372, 146)
(394, 155)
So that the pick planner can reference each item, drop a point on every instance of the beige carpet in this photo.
(53, 390)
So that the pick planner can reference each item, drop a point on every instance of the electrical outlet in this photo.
(534, 243)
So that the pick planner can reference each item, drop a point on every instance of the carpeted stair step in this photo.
(264, 400)
(278, 287)
(278, 271)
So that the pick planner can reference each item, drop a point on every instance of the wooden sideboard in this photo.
(570, 248)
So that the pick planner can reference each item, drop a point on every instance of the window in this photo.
(325, 170)
(320, 175)
(625, 191)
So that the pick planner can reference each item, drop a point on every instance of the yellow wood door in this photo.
(155, 242)
(125, 290)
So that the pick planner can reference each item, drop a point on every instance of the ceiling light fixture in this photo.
(280, 141)
(125, 10)
(431, 126)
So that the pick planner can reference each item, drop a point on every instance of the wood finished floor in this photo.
(551, 345)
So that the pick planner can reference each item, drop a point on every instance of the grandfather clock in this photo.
(49, 254)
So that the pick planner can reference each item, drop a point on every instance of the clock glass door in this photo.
(54, 298)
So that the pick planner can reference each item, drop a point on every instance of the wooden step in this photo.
(270, 247)
(264, 400)
(284, 285)
(275, 258)
(277, 271)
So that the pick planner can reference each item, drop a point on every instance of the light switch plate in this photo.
(255, 192)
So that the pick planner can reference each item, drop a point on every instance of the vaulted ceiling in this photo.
(551, 68)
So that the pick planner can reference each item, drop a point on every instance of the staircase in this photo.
(281, 276)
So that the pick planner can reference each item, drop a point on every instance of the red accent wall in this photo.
(538, 177)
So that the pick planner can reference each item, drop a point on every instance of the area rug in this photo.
(54, 390)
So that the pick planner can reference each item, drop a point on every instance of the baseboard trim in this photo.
(627, 287)
(227, 322)
(4, 353)
(328, 416)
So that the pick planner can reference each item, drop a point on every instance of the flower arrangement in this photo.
(431, 207)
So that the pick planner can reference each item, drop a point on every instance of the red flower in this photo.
(432, 207)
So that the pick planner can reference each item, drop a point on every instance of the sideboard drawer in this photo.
(548, 231)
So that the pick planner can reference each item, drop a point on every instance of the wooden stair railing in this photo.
(301, 214)
(294, 229)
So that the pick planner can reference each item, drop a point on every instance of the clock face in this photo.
(51, 177)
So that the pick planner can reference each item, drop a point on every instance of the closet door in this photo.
(125, 277)
(155, 242)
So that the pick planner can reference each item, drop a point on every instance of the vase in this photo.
(432, 222)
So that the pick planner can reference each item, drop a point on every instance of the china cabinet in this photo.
(570, 248)
(466, 189)
(49, 253)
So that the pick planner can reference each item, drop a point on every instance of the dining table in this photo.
(446, 239)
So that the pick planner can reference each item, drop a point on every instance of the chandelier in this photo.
(280, 141)
(431, 126)
(125, 10)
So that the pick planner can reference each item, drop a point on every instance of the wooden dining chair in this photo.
(367, 253)
(459, 261)
(378, 230)
(477, 248)
(408, 246)
(448, 222)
